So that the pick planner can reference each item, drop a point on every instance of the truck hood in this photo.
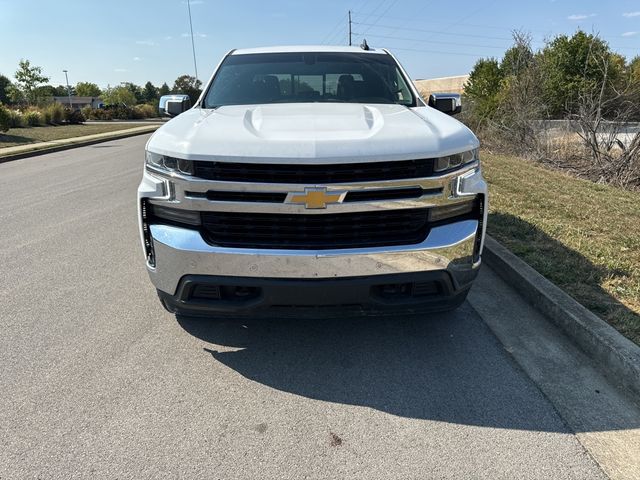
(315, 132)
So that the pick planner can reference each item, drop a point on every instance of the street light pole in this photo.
(68, 89)
(193, 45)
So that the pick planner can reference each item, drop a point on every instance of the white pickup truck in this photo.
(311, 176)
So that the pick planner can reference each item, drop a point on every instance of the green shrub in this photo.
(87, 112)
(121, 112)
(56, 111)
(136, 113)
(96, 113)
(102, 114)
(33, 118)
(17, 119)
(5, 118)
(144, 111)
(46, 116)
(73, 116)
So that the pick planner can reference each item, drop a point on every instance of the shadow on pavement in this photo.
(445, 367)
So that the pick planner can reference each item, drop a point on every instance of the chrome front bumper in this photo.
(454, 248)
(180, 252)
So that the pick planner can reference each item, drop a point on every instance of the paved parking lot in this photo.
(98, 381)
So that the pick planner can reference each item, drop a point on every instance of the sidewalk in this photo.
(22, 151)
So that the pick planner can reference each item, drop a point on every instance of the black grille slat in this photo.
(319, 231)
(330, 173)
(265, 223)
(267, 197)
(308, 231)
(387, 194)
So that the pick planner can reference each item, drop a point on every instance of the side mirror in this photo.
(173, 105)
(449, 103)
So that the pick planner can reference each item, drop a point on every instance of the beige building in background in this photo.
(441, 85)
(79, 102)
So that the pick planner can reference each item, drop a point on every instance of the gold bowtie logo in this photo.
(315, 197)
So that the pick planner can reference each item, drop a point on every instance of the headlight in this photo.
(456, 160)
(169, 164)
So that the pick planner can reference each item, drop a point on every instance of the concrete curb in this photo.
(68, 143)
(616, 356)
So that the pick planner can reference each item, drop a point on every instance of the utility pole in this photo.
(68, 88)
(193, 45)
(349, 27)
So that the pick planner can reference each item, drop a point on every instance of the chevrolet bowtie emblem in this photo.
(315, 197)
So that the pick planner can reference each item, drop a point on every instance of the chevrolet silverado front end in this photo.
(311, 176)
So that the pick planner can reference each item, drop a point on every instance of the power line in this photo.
(422, 20)
(331, 32)
(358, 6)
(425, 6)
(436, 52)
(340, 33)
(486, 37)
(374, 10)
(435, 41)
(539, 36)
(472, 14)
(380, 16)
(436, 32)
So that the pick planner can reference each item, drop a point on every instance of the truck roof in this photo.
(307, 48)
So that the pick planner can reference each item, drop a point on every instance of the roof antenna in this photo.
(364, 45)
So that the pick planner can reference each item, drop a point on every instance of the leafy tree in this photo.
(28, 79)
(188, 85)
(634, 69)
(483, 87)
(164, 90)
(60, 90)
(519, 57)
(573, 65)
(51, 91)
(5, 119)
(136, 90)
(15, 94)
(43, 94)
(5, 83)
(44, 91)
(88, 89)
(150, 92)
(118, 95)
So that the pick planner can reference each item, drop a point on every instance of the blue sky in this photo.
(109, 42)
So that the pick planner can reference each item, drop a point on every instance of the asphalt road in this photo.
(98, 381)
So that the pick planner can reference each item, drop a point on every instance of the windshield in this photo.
(308, 77)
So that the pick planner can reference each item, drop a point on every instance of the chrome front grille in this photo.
(368, 195)
(265, 197)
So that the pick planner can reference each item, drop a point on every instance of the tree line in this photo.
(30, 87)
(513, 102)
